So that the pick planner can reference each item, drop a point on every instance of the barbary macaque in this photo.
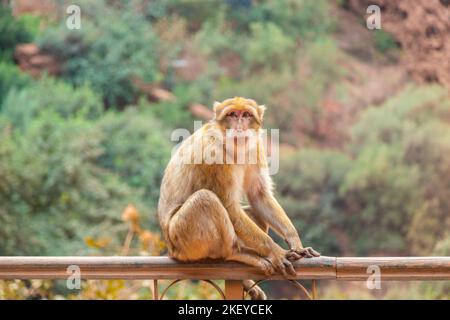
(200, 210)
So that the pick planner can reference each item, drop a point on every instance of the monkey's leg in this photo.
(240, 255)
(201, 228)
(255, 292)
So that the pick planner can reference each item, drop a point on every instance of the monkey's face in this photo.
(239, 120)
(239, 116)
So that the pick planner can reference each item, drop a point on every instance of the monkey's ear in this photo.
(261, 110)
(216, 106)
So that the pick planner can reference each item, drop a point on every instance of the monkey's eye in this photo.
(232, 114)
(247, 114)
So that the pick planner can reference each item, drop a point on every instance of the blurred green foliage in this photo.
(136, 150)
(11, 78)
(412, 130)
(384, 41)
(438, 289)
(52, 192)
(390, 193)
(106, 55)
(67, 168)
(178, 117)
(309, 187)
(299, 18)
(21, 107)
(13, 31)
(268, 46)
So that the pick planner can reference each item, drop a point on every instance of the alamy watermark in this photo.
(73, 281)
(374, 280)
(73, 21)
(234, 147)
(373, 21)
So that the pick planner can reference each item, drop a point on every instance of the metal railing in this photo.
(165, 268)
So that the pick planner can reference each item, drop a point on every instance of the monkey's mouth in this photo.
(240, 134)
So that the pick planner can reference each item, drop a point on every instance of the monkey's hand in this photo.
(298, 253)
(278, 259)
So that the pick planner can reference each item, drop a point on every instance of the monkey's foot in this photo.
(308, 252)
(256, 293)
(266, 267)
(281, 264)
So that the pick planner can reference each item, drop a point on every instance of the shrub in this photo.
(391, 196)
(47, 94)
(112, 47)
(174, 113)
(383, 194)
(322, 70)
(137, 150)
(301, 18)
(267, 46)
(11, 78)
(309, 184)
(384, 41)
(67, 170)
(400, 172)
(215, 37)
(272, 82)
(52, 191)
(438, 289)
(194, 11)
(318, 77)
(12, 32)
(297, 18)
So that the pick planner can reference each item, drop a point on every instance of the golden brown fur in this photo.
(200, 209)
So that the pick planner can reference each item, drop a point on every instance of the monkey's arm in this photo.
(264, 204)
(249, 233)
(254, 238)
(267, 207)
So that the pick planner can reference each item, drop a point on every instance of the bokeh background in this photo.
(86, 117)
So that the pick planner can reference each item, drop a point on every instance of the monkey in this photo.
(200, 211)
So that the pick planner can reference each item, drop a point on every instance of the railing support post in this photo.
(234, 290)
(155, 289)
(314, 290)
